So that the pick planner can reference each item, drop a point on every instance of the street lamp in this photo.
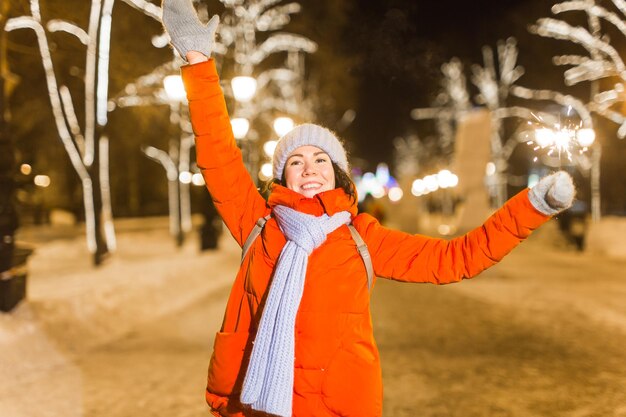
(282, 125)
(269, 147)
(174, 88)
(42, 181)
(240, 127)
(244, 88)
(266, 171)
(177, 164)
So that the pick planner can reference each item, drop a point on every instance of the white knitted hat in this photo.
(308, 134)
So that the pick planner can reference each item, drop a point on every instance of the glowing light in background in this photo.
(266, 171)
(418, 188)
(240, 127)
(174, 87)
(185, 177)
(269, 147)
(382, 174)
(369, 184)
(197, 179)
(446, 179)
(395, 194)
(283, 125)
(26, 169)
(444, 229)
(244, 88)
(42, 181)
(431, 183)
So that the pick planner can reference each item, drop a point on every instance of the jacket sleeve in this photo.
(417, 258)
(232, 189)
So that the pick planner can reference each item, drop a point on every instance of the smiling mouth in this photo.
(311, 186)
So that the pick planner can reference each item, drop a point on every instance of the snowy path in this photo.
(157, 370)
(541, 334)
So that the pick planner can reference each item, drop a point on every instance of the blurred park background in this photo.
(446, 108)
(92, 132)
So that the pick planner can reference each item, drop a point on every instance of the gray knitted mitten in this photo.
(186, 31)
(553, 193)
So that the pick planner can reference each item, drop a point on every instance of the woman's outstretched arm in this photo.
(417, 258)
(232, 189)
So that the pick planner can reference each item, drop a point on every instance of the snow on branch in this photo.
(559, 98)
(455, 85)
(604, 61)
(263, 5)
(279, 43)
(27, 22)
(277, 17)
(146, 8)
(593, 10)
(58, 25)
(557, 29)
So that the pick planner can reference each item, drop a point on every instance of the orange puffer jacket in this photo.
(336, 365)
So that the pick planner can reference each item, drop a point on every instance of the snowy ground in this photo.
(541, 334)
(72, 307)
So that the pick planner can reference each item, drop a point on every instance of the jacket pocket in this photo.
(352, 385)
(225, 368)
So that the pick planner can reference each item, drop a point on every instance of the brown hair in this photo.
(342, 180)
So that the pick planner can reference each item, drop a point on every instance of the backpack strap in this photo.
(360, 245)
(256, 231)
(365, 255)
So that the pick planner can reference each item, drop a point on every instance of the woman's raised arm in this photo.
(233, 191)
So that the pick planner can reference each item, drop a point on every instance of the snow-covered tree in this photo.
(498, 92)
(82, 127)
(505, 99)
(278, 89)
(87, 145)
(602, 67)
(604, 61)
(451, 102)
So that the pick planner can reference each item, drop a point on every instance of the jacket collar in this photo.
(329, 202)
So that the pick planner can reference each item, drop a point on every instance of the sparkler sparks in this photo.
(562, 138)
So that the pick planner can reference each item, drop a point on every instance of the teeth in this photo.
(307, 186)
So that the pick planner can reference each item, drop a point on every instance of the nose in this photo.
(309, 169)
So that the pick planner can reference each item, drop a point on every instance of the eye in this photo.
(321, 159)
(294, 162)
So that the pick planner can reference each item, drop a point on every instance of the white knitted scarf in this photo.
(268, 385)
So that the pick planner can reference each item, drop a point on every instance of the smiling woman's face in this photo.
(309, 171)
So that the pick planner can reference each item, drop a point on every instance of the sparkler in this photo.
(563, 138)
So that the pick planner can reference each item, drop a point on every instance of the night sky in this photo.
(401, 44)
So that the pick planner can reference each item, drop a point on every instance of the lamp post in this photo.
(238, 33)
(179, 155)
(244, 89)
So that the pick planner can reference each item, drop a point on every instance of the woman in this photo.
(297, 336)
